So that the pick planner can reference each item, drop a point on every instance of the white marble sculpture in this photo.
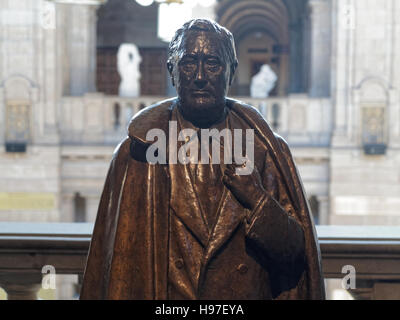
(263, 82)
(128, 61)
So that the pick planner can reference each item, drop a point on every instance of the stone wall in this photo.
(365, 188)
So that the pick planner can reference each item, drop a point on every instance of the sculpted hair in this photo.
(227, 41)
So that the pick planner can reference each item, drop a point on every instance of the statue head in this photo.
(202, 63)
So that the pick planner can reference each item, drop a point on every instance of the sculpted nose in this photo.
(200, 80)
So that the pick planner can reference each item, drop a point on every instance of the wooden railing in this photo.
(25, 248)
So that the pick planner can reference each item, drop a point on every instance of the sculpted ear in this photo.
(170, 68)
(232, 74)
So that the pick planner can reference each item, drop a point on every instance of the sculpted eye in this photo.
(187, 60)
(213, 62)
(188, 64)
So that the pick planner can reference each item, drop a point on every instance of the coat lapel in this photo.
(231, 213)
(185, 204)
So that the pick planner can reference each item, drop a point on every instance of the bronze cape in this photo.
(128, 257)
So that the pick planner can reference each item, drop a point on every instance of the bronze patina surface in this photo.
(201, 231)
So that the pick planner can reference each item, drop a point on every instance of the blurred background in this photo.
(72, 74)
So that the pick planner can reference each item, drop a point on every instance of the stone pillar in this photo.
(21, 286)
(66, 287)
(323, 209)
(343, 34)
(92, 205)
(320, 50)
(2, 117)
(67, 208)
(82, 48)
(295, 85)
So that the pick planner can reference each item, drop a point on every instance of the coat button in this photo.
(242, 268)
(179, 263)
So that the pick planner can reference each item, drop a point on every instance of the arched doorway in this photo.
(267, 32)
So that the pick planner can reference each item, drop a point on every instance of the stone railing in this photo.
(25, 248)
(96, 118)
(301, 120)
(100, 119)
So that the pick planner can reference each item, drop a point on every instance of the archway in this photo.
(267, 32)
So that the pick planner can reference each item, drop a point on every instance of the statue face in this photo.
(202, 76)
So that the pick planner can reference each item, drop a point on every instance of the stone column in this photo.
(21, 286)
(343, 33)
(323, 208)
(66, 286)
(82, 48)
(2, 116)
(295, 85)
(67, 208)
(320, 50)
(92, 205)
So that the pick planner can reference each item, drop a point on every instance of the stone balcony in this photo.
(98, 119)
(25, 248)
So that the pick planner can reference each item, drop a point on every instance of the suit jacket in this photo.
(138, 249)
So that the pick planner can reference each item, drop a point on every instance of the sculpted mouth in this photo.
(200, 93)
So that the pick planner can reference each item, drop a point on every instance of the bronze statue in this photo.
(169, 230)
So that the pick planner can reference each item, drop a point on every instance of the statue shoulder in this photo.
(283, 143)
(256, 119)
(151, 117)
(245, 109)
